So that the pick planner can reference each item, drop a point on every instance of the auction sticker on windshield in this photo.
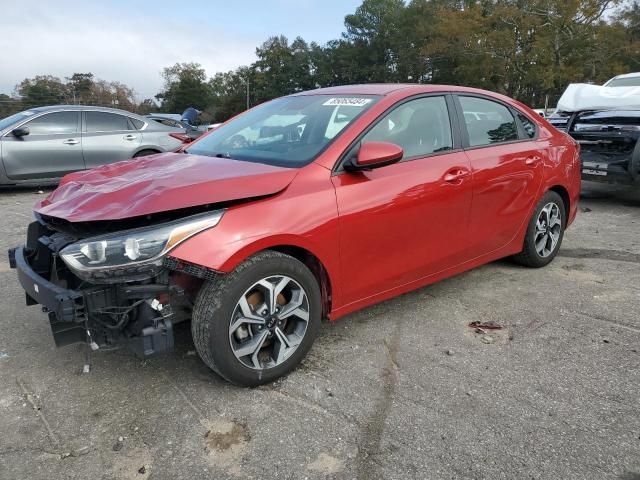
(354, 102)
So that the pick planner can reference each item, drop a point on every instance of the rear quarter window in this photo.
(528, 126)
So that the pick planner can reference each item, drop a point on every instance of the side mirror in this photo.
(374, 155)
(20, 131)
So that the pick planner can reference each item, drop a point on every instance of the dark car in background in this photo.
(41, 145)
(605, 121)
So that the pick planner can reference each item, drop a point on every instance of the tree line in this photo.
(527, 49)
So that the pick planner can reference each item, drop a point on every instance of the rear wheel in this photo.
(258, 322)
(544, 233)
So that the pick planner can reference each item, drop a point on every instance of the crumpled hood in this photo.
(581, 96)
(159, 183)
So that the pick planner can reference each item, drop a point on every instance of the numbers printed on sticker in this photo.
(353, 102)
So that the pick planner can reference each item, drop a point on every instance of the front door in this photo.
(405, 221)
(52, 148)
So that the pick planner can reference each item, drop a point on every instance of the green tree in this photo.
(42, 90)
(185, 86)
(80, 87)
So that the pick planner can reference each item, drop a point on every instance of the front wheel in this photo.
(258, 322)
(544, 233)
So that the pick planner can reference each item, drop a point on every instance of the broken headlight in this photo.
(135, 254)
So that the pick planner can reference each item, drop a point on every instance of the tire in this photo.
(218, 308)
(144, 153)
(531, 256)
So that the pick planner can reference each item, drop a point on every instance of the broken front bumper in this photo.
(65, 307)
(74, 314)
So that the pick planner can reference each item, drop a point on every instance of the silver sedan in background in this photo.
(43, 144)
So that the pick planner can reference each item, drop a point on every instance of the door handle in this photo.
(532, 160)
(71, 141)
(453, 176)
(130, 137)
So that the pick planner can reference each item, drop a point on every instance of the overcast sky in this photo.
(131, 41)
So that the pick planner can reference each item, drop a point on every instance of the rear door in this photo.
(108, 137)
(52, 148)
(507, 167)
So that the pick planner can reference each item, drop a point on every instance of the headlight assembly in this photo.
(135, 254)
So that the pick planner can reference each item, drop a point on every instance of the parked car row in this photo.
(43, 144)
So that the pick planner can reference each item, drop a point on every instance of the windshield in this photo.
(287, 132)
(15, 118)
(624, 82)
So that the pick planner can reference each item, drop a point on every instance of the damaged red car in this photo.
(307, 207)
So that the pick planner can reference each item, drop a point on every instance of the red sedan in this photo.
(306, 207)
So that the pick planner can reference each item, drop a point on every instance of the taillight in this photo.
(181, 136)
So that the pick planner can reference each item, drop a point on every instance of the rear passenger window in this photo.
(419, 126)
(105, 122)
(528, 125)
(487, 121)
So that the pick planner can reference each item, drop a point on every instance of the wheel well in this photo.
(560, 190)
(317, 268)
(146, 150)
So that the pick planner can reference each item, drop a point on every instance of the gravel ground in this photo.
(401, 390)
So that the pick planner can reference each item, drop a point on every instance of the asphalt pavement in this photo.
(402, 390)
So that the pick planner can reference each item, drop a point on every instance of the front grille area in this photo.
(192, 269)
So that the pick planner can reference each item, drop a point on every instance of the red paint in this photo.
(377, 233)
(156, 183)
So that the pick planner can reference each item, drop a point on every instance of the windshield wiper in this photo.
(213, 154)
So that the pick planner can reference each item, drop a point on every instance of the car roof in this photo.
(170, 116)
(627, 75)
(50, 108)
(385, 89)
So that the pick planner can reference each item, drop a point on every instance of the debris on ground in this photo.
(78, 452)
(586, 209)
(117, 446)
(4, 355)
(483, 327)
(488, 339)
(449, 352)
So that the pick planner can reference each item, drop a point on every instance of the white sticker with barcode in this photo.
(348, 101)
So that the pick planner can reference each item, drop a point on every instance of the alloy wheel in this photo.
(548, 229)
(269, 322)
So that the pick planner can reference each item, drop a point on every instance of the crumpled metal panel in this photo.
(158, 183)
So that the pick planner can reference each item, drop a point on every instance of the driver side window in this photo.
(421, 127)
